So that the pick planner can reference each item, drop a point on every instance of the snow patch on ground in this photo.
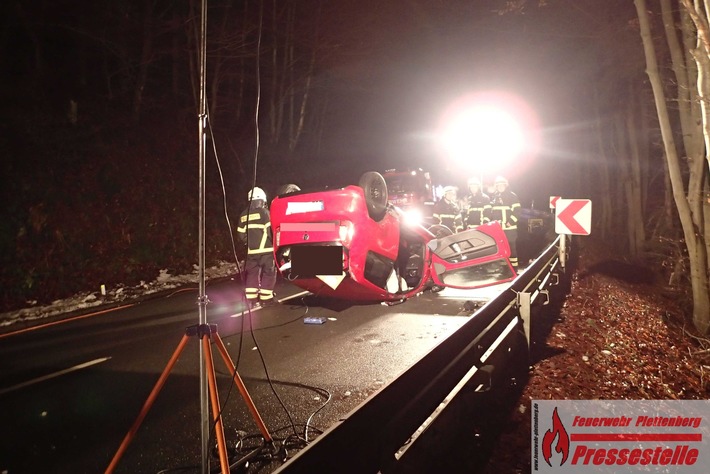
(89, 299)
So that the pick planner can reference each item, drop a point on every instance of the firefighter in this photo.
(505, 208)
(476, 205)
(447, 211)
(254, 231)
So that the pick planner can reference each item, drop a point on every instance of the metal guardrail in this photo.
(368, 439)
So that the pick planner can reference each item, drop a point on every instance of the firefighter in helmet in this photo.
(254, 231)
(476, 205)
(447, 211)
(505, 208)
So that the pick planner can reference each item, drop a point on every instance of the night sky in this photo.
(397, 65)
(428, 55)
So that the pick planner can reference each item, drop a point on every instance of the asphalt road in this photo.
(71, 391)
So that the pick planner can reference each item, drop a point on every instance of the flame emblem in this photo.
(558, 431)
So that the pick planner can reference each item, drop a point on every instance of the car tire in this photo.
(287, 189)
(375, 189)
(440, 231)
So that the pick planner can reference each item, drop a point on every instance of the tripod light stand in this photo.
(206, 333)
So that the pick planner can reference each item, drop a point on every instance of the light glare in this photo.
(487, 133)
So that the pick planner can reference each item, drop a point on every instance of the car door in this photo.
(471, 259)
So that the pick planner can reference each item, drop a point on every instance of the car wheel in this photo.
(287, 189)
(375, 189)
(440, 231)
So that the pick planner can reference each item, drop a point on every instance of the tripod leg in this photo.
(214, 397)
(242, 389)
(147, 405)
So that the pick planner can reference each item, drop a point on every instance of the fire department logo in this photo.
(557, 435)
(620, 436)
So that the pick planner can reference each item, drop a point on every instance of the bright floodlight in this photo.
(485, 133)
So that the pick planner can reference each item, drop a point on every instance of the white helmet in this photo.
(501, 180)
(256, 193)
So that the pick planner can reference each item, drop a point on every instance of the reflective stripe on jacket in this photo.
(478, 210)
(256, 225)
(505, 207)
(448, 214)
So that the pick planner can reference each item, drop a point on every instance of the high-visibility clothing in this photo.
(505, 208)
(255, 230)
(265, 294)
(260, 277)
(449, 214)
(477, 210)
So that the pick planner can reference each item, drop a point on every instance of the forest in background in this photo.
(99, 132)
(100, 135)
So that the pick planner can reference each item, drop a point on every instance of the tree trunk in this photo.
(219, 60)
(304, 102)
(693, 238)
(193, 42)
(605, 193)
(175, 57)
(274, 80)
(241, 84)
(145, 59)
(698, 167)
(637, 232)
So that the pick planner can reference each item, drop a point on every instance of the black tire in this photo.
(440, 231)
(287, 189)
(375, 189)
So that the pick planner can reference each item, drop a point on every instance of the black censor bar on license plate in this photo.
(312, 260)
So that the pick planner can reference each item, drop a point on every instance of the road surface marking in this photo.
(66, 320)
(297, 295)
(55, 374)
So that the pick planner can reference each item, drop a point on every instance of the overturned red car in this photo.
(350, 243)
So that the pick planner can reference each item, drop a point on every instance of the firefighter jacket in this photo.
(255, 230)
(505, 208)
(449, 214)
(477, 210)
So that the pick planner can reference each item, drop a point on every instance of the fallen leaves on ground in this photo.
(615, 339)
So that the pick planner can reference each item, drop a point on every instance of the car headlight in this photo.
(413, 217)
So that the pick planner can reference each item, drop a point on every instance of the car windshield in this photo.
(467, 245)
(483, 274)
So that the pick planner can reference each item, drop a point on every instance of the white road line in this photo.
(55, 374)
(297, 295)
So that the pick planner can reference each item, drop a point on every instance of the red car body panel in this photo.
(371, 249)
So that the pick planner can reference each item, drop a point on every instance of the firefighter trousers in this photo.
(260, 276)
(512, 236)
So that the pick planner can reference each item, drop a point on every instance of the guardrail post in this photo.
(563, 251)
(524, 308)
